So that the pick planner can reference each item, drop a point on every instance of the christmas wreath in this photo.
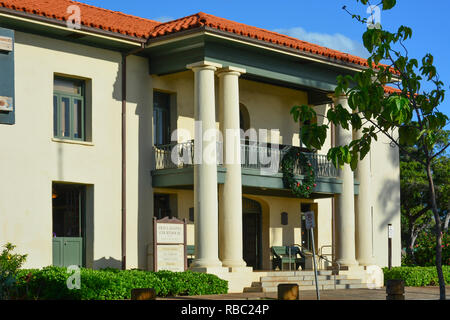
(300, 188)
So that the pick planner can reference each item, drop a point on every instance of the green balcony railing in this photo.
(253, 156)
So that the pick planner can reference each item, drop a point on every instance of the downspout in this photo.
(124, 152)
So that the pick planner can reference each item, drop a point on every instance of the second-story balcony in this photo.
(265, 158)
(261, 168)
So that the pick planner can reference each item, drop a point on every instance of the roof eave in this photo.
(114, 36)
(155, 41)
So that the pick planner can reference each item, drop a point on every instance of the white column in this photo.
(230, 214)
(363, 211)
(205, 173)
(345, 213)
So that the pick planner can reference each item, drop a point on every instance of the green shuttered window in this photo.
(69, 110)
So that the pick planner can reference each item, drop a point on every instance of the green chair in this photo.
(190, 254)
(280, 255)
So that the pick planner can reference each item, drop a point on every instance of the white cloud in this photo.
(163, 19)
(335, 41)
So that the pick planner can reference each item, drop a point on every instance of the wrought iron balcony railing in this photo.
(253, 156)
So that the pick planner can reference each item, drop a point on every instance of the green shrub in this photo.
(9, 267)
(417, 276)
(112, 284)
(425, 250)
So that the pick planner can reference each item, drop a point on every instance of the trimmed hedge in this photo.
(417, 276)
(50, 283)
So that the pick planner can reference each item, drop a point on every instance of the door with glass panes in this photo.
(161, 118)
(68, 224)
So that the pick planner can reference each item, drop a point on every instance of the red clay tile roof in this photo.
(391, 90)
(90, 16)
(202, 19)
(143, 28)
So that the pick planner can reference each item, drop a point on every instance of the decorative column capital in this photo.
(204, 65)
(231, 70)
(337, 99)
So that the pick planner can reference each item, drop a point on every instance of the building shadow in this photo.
(139, 154)
(107, 263)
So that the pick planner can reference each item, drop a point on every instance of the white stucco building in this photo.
(86, 145)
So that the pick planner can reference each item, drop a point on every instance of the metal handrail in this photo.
(326, 254)
(325, 246)
(334, 273)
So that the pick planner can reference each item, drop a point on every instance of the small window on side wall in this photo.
(69, 109)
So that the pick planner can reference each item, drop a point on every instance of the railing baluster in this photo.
(251, 154)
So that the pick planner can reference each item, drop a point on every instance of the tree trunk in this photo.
(438, 233)
(447, 220)
(411, 240)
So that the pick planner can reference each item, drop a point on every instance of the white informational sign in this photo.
(309, 220)
(6, 104)
(169, 244)
(170, 258)
(170, 233)
(390, 231)
(6, 44)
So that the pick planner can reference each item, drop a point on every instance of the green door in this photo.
(67, 252)
(68, 225)
(251, 233)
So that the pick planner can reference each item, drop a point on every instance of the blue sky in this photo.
(322, 22)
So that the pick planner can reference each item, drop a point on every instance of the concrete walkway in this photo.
(411, 293)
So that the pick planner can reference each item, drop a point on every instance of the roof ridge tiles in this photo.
(252, 32)
(115, 12)
(92, 16)
(119, 22)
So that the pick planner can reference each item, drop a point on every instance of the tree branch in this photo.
(448, 144)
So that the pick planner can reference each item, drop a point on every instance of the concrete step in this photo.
(304, 283)
(298, 273)
(349, 281)
(313, 287)
(253, 289)
(303, 277)
(341, 268)
(345, 286)
(271, 285)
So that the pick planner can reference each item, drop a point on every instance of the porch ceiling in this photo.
(262, 64)
(252, 182)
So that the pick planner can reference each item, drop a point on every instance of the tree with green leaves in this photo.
(407, 116)
(416, 213)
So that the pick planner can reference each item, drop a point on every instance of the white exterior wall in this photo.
(385, 187)
(34, 160)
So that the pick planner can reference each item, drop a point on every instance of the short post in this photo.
(310, 224)
(288, 291)
(390, 236)
(315, 265)
(143, 294)
(395, 290)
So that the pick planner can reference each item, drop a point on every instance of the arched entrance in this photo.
(244, 118)
(252, 239)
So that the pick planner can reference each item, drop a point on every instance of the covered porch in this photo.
(222, 75)
(271, 215)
